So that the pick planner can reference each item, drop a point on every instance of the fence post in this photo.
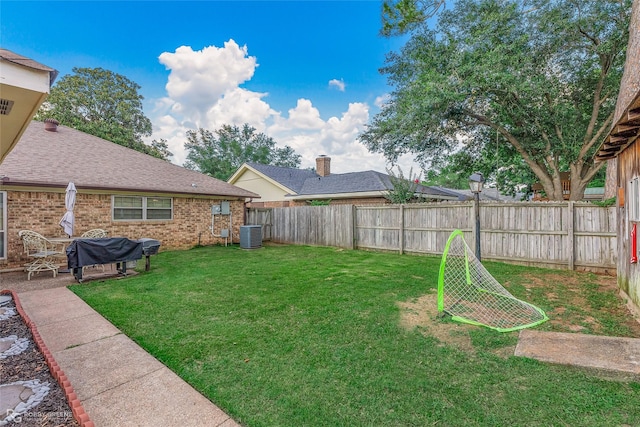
(472, 220)
(571, 236)
(401, 230)
(354, 229)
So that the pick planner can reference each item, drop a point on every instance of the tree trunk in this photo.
(577, 189)
(611, 181)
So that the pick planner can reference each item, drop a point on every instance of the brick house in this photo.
(123, 191)
(283, 187)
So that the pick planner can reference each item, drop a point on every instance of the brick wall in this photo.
(41, 212)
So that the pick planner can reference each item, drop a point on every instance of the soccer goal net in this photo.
(470, 294)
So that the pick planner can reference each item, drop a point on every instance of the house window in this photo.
(138, 208)
(3, 225)
(634, 199)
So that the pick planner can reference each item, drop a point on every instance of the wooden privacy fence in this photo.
(552, 234)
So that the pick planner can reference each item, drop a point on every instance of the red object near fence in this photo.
(634, 244)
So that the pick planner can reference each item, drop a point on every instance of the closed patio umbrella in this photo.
(70, 201)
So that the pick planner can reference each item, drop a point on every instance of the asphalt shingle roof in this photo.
(307, 182)
(55, 158)
(354, 182)
(291, 178)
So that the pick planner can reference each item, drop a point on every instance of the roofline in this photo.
(236, 174)
(359, 195)
(623, 133)
(5, 182)
(23, 61)
(246, 166)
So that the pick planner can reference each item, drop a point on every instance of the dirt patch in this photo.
(583, 316)
(571, 311)
(573, 306)
(422, 313)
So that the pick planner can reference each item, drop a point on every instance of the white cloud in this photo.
(203, 90)
(199, 79)
(338, 84)
(239, 106)
(382, 100)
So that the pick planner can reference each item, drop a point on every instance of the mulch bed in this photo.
(54, 410)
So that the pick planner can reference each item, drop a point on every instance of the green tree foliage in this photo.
(162, 148)
(401, 16)
(220, 153)
(102, 103)
(494, 158)
(542, 74)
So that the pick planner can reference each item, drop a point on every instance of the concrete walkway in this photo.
(612, 354)
(117, 382)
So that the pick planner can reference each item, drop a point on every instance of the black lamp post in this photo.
(476, 181)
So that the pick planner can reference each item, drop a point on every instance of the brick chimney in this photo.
(323, 165)
(51, 125)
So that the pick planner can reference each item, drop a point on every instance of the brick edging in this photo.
(78, 411)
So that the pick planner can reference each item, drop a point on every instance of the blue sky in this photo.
(303, 72)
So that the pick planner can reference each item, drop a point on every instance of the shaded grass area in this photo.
(295, 336)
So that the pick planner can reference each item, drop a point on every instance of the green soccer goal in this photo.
(470, 294)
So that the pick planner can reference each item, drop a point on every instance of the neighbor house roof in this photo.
(45, 158)
(487, 194)
(307, 184)
(291, 178)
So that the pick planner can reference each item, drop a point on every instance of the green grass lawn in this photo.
(311, 336)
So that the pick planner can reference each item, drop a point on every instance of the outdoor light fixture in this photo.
(476, 182)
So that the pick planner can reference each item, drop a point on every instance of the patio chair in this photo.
(95, 233)
(43, 251)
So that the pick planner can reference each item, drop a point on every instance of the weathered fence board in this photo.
(313, 225)
(561, 235)
(261, 216)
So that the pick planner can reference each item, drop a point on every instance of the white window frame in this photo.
(144, 208)
(3, 225)
(633, 199)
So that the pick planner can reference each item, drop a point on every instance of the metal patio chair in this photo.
(43, 251)
(96, 233)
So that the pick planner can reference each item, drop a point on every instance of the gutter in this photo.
(6, 182)
(361, 195)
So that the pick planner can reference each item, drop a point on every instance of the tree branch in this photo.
(595, 110)
(595, 138)
(538, 169)
(593, 39)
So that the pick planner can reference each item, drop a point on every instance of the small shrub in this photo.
(605, 203)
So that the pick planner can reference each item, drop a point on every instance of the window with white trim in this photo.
(3, 225)
(633, 197)
(140, 208)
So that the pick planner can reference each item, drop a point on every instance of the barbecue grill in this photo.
(149, 247)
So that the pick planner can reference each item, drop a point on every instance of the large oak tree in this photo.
(537, 76)
(105, 104)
